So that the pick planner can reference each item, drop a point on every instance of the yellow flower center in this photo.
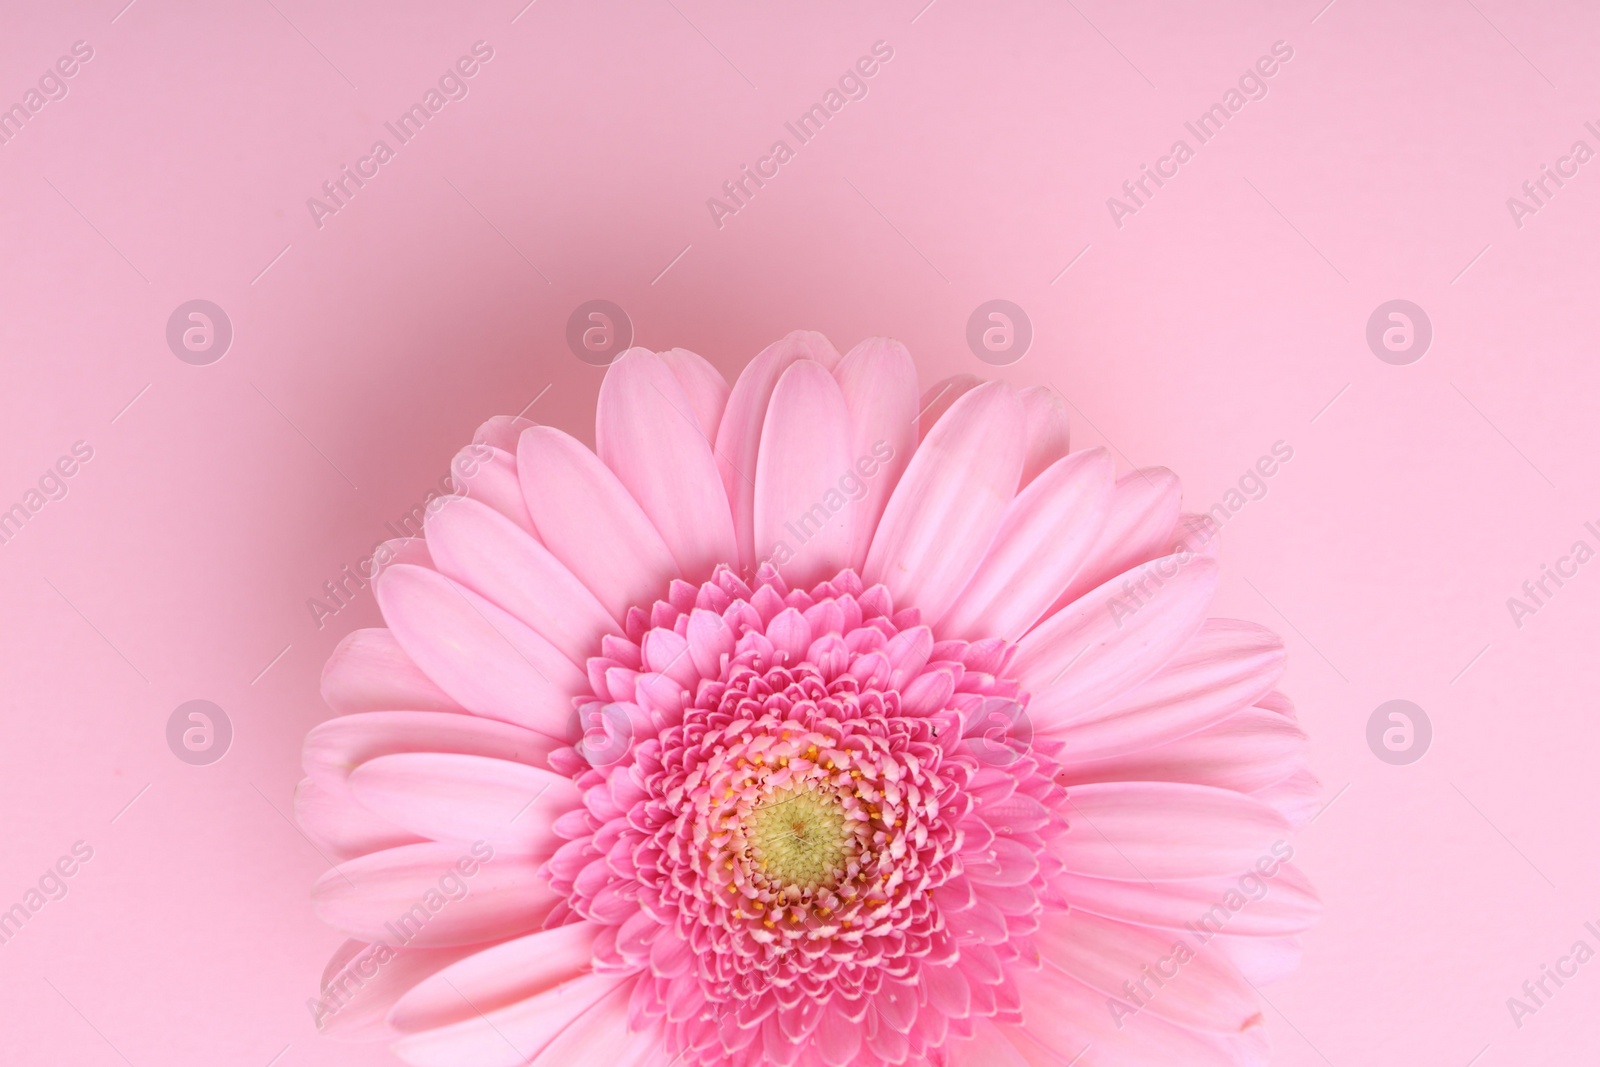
(799, 837)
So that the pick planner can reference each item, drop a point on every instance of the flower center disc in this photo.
(800, 837)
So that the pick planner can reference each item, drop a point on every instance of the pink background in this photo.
(1223, 317)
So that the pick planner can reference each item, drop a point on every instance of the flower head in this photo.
(813, 723)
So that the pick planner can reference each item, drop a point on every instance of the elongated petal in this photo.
(489, 474)
(703, 385)
(648, 433)
(987, 1047)
(363, 981)
(1263, 960)
(1115, 637)
(1064, 1015)
(479, 653)
(486, 552)
(421, 895)
(498, 976)
(502, 432)
(340, 825)
(1297, 798)
(1139, 527)
(601, 1035)
(1247, 751)
(453, 797)
(1199, 990)
(1162, 831)
(335, 748)
(1271, 899)
(369, 671)
(802, 517)
(1227, 666)
(590, 522)
(739, 436)
(879, 382)
(1044, 539)
(940, 397)
(1048, 431)
(944, 513)
(510, 1036)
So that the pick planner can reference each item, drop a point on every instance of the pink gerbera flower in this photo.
(812, 724)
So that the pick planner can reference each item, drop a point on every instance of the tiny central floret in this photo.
(800, 837)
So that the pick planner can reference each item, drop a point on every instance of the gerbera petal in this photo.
(486, 552)
(1263, 960)
(502, 432)
(1297, 798)
(335, 748)
(363, 981)
(590, 522)
(369, 671)
(940, 397)
(1270, 899)
(498, 976)
(340, 825)
(1165, 831)
(1198, 989)
(453, 797)
(487, 659)
(489, 474)
(1113, 638)
(944, 513)
(422, 896)
(703, 385)
(646, 431)
(1246, 751)
(987, 1047)
(1044, 538)
(1139, 526)
(510, 1036)
(879, 382)
(738, 438)
(1048, 431)
(1069, 1017)
(802, 521)
(601, 1035)
(1228, 665)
